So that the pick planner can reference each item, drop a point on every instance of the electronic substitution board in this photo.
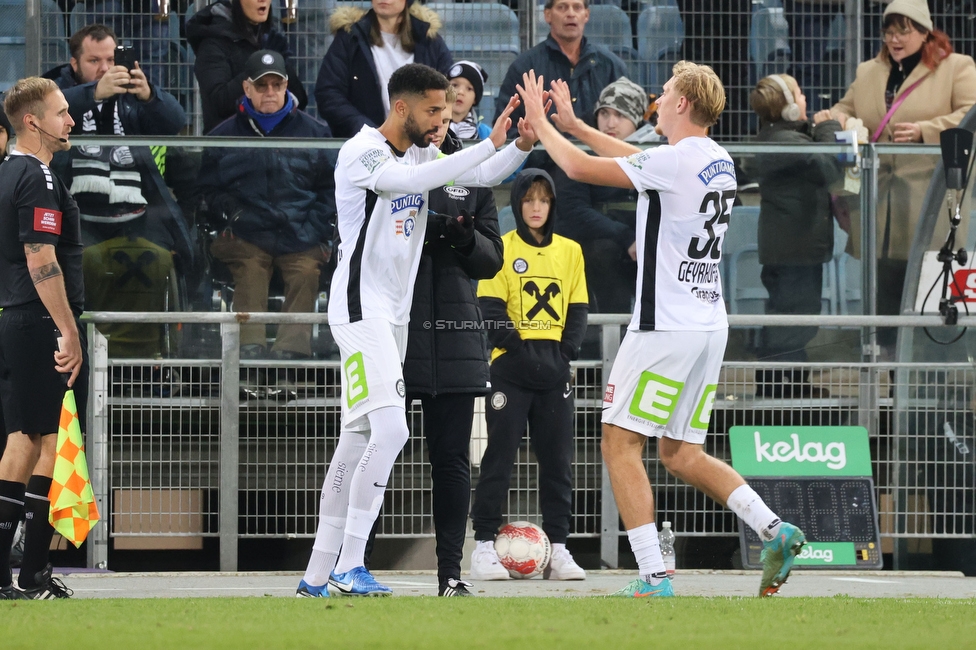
(818, 478)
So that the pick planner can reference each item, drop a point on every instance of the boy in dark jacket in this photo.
(447, 350)
(796, 229)
(277, 206)
(536, 308)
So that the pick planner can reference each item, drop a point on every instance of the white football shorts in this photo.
(372, 353)
(663, 383)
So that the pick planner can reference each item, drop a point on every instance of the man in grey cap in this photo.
(273, 208)
(600, 218)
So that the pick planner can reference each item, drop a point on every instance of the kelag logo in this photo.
(827, 554)
(834, 454)
(800, 451)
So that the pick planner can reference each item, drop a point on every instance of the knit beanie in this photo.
(917, 10)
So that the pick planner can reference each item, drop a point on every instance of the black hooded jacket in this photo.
(541, 284)
(447, 348)
(222, 48)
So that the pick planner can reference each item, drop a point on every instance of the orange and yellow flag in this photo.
(73, 509)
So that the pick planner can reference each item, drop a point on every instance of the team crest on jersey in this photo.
(520, 265)
(405, 226)
(373, 159)
(716, 168)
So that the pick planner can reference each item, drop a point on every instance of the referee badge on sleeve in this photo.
(47, 220)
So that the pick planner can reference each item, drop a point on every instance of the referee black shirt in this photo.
(36, 208)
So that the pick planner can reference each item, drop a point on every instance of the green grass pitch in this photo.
(501, 623)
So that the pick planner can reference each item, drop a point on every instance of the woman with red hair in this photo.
(912, 91)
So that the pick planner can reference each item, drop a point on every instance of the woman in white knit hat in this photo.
(913, 90)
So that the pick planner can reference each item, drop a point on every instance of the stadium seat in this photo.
(769, 42)
(486, 33)
(13, 16)
(847, 274)
(834, 76)
(610, 26)
(53, 39)
(744, 290)
(660, 33)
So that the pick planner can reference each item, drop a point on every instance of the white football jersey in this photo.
(686, 194)
(382, 232)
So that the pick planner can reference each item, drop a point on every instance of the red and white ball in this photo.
(523, 548)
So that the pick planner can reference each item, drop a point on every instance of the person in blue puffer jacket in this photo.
(275, 207)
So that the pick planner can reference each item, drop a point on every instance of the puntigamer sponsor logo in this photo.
(833, 454)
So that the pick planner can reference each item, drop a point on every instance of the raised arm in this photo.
(574, 161)
(565, 119)
(443, 171)
(45, 273)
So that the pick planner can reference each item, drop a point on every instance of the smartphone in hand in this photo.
(125, 56)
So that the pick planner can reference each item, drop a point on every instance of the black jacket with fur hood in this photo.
(347, 91)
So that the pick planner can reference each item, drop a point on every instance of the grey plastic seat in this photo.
(660, 34)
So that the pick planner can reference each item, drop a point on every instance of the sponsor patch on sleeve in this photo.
(47, 220)
(373, 159)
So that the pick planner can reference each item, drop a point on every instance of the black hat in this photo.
(474, 74)
(265, 62)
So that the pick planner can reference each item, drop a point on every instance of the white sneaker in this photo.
(485, 564)
(562, 566)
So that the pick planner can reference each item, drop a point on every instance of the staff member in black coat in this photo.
(42, 294)
(222, 36)
(446, 365)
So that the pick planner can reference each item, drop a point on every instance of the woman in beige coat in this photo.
(941, 86)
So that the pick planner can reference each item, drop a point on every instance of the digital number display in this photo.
(838, 516)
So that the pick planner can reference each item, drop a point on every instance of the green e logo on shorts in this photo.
(703, 413)
(655, 397)
(356, 388)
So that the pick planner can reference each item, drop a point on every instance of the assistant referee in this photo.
(42, 295)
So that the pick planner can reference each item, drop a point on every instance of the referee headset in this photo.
(791, 112)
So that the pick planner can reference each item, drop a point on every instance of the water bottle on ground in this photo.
(666, 538)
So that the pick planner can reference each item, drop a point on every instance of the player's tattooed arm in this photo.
(45, 272)
(41, 262)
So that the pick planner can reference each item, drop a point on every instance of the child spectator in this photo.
(468, 81)
(536, 307)
(796, 230)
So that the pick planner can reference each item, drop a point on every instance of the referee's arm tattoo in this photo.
(43, 272)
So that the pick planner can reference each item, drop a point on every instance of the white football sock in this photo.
(754, 512)
(333, 505)
(388, 434)
(647, 551)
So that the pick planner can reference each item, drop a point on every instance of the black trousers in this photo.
(550, 417)
(447, 431)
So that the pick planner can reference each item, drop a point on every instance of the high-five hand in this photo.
(534, 97)
(564, 118)
(499, 133)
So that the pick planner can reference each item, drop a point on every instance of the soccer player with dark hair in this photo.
(42, 343)
(382, 179)
(665, 376)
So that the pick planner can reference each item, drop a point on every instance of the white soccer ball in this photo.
(523, 548)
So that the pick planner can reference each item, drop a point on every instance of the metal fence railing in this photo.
(183, 450)
(820, 43)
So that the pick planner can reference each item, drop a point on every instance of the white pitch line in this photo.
(231, 588)
(870, 581)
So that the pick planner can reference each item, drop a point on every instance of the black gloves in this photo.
(459, 231)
